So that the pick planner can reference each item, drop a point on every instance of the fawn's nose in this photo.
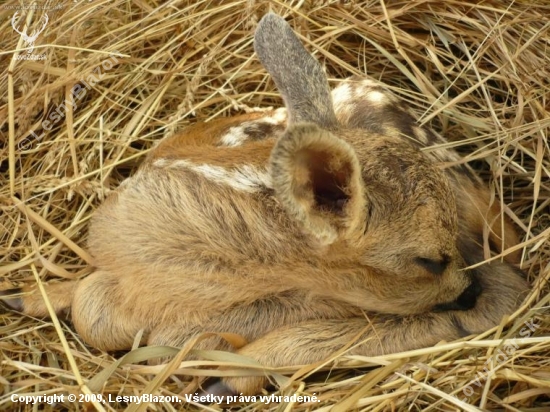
(466, 300)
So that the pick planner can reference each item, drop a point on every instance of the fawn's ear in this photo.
(317, 179)
(298, 76)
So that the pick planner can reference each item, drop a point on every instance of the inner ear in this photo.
(317, 179)
(327, 178)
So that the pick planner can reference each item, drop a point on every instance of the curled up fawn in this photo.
(296, 228)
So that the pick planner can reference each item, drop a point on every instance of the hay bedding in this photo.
(476, 71)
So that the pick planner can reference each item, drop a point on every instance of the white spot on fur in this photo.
(277, 118)
(420, 135)
(172, 164)
(161, 162)
(246, 178)
(280, 115)
(343, 102)
(393, 131)
(376, 97)
(367, 83)
(235, 136)
(341, 94)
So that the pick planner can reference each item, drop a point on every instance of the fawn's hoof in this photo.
(8, 298)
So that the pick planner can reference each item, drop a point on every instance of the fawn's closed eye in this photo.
(437, 267)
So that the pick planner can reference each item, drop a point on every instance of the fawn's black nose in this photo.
(466, 300)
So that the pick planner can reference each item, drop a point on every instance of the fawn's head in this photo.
(373, 202)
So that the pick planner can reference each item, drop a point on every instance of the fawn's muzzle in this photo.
(466, 300)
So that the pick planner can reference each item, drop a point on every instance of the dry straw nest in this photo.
(478, 71)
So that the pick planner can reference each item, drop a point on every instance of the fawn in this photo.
(296, 228)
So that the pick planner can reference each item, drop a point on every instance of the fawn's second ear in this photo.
(317, 179)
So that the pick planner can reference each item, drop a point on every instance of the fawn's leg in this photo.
(100, 307)
(30, 301)
(105, 314)
(250, 321)
(292, 331)
(316, 340)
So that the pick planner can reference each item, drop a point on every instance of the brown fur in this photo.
(290, 233)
